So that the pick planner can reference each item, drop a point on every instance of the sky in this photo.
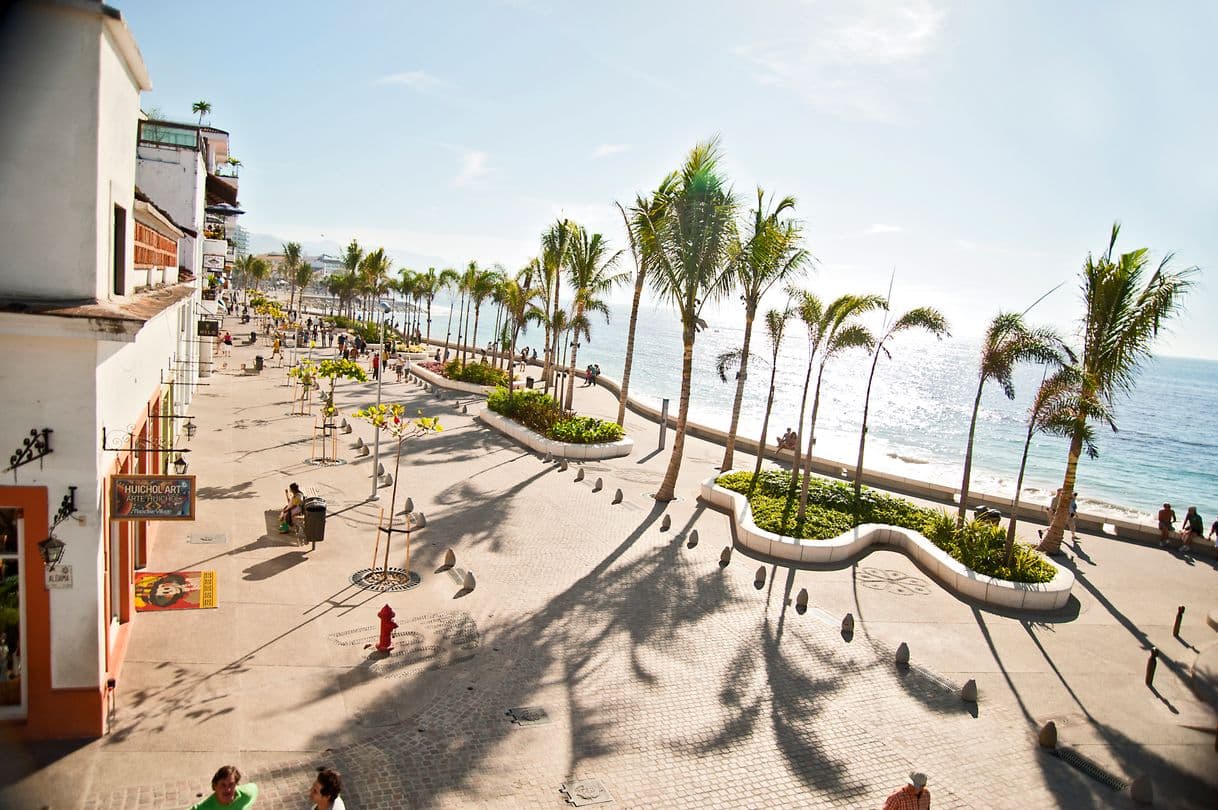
(973, 153)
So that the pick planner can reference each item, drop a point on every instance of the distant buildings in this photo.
(116, 230)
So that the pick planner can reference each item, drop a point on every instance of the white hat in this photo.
(917, 779)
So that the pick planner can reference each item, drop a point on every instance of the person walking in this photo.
(376, 366)
(913, 795)
(226, 792)
(326, 790)
(1167, 522)
(1072, 520)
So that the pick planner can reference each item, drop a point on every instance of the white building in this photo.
(99, 342)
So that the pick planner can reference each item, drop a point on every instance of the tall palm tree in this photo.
(1007, 342)
(468, 278)
(432, 283)
(686, 244)
(770, 255)
(291, 261)
(483, 285)
(593, 274)
(1120, 322)
(302, 278)
(519, 307)
(374, 278)
(408, 284)
(926, 318)
(353, 257)
(342, 286)
(641, 204)
(555, 246)
(450, 279)
(202, 108)
(775, 327)
(1053, 412)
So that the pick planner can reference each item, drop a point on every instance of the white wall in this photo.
(175, 180)
(119, 99)
(49, 152)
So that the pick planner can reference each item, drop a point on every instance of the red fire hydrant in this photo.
(388, 625)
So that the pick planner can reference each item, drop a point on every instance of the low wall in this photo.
(441, 381)
(579, 452)
(948, 572)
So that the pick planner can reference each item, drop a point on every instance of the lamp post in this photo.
(376, 442)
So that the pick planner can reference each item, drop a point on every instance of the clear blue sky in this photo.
(979, 148)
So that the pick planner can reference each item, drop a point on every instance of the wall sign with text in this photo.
(152, 497)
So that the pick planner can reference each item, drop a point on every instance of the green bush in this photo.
(370, 332)
(585, 430)
(541, 413)
(476, 373)
(978, 545)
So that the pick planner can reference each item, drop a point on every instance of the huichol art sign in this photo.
(152, 497)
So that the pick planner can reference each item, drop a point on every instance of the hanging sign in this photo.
(152, 497)
(209, 328)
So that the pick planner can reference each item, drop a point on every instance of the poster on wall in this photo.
(174, 590)
(152, 497)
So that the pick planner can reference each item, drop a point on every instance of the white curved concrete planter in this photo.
(535, 441)
(452, 385)
(951, 574)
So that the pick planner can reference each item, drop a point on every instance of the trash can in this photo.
(314, 519)
(528, 382)
(257, 362)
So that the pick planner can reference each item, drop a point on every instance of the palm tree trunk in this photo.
(750, 313)
(1023, 465)
(429, 300)
(807, 461)
(557, 285)
(465, 337)
(634, 318)
(968, 456)
(570, 397)
(765, 425)
(448, 331)
(796, 460)
(477, 312)
(1051, 543)
(858, 467)
(668, 488)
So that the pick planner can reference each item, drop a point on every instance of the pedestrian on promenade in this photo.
(1072, 520)
(914, 795)
(1167, 522)
(1194, 528)
(376, 366)
(1214, 532)
(227, 793)
(326, 790)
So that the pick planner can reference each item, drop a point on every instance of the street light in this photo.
(380, 375)
(179, 465)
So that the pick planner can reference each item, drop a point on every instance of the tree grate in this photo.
(585, 791)
(385, 580)
(528, 716)
(1090, 767)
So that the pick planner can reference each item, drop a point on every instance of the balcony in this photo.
(167, 133)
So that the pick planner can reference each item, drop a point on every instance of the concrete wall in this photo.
(119, 98)
(175, 180)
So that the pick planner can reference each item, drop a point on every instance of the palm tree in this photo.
(374, 278)
(449, 278)
(555, 245)
(408, 285)
(775, 327)
(640, 204)
(291, 261)
(1120, 322)
(202, 108)
(353, 257)
(1053, 411)
(519, 308)
(302, 278)
(926, 318)
(686, 246)
(342, 286)
(592, 273)
(432, 283)
(466, 285)
(1007, 342)
(771, 254)
(483, 285)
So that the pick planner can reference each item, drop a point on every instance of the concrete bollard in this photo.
(1047, 738)
(759, 578)
(420, 519)
(464, 409)
(1141, 790)
(386, 480)
(801, 602)
(725, 557)
(380, 469)
(1175, 630)
(562, 465)
(1151, 663)
(450, 559)
(666, 523)
(596, 487)
(579, 474)
(468, 583)
(848, 624)
(343, 424)
(969, 693)
(902, 658)
(346, 429)
(365, 451)
(359, 443)
(693, 539)
(409, 505)
(457, 405)
(617, 496)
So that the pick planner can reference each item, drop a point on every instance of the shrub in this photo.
(541, 413)
(977, 545)
(370, 332)
(585, 430)
(476, 373)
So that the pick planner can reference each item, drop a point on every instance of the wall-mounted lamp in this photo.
(179, 465)
(190, 430)
(51, 551)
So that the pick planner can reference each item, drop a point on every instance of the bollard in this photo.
(596, 487)
(579, 474)
(903, 655)
(1048, 735)
(420, 519)
(380, 469)
(759, 578)
(468, 583)
(386, 480)
(464, 409)
(409, 505)
(1151, 663)
(617, 496)
(562, 465)
(801, 602)
(666, 523)
(450, 559)
(725, 557)
(693, 539)
(969, 693)
(359, 443)
(1175, 630)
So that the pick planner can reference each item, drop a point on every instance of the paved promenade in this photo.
(663, 679)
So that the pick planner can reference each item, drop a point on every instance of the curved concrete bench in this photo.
(950, 573)
(583, 452)
(441, 381)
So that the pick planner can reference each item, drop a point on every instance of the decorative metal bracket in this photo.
(36, 446)
(67, 508)
(130, 442)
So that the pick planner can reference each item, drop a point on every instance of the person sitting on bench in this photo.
(295, 507)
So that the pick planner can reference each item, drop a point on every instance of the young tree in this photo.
(291, 262)
(593, 275)
(640, 204)
(775, 327)
(555, 246)
(1121, 319)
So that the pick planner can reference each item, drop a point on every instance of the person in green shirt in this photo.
(227, 793)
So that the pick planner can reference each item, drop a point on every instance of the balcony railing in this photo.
(167, 133)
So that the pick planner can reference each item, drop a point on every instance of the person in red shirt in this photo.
(912, 796)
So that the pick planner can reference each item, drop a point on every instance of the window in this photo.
(120, 250)
(11, 668)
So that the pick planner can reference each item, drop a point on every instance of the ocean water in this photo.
(1165, 449)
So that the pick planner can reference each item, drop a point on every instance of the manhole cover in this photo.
(529, 716)
(585, 791)
(207, 539)
(385, 580)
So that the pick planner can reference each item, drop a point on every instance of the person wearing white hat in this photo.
(913, 795)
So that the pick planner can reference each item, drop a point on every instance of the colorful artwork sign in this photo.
(175, 590)
(152, 497)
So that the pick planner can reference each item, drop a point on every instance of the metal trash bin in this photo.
(257, 362)
(528, 382)
(314, 519)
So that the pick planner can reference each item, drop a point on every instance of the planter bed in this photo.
(440, 381)
(951, 574)
(535, 441)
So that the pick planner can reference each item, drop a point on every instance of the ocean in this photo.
(1165, 448)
